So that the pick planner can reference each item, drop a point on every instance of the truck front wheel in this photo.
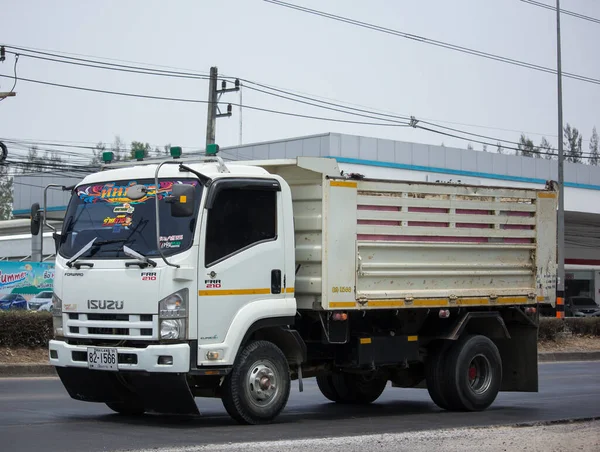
(258, 387)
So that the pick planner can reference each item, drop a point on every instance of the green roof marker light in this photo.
(108, 156)
(175, 152)
(212, 149)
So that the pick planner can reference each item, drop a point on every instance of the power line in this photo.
(433, 42)
(196, 75)
(198, 101)
(146, 71)
(66, 54)
(536, 149)
(12, 90)
(562, 11)
(110, 66)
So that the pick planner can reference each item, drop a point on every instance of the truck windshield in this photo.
(104, 212)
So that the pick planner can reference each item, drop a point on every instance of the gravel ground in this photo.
(575, 436)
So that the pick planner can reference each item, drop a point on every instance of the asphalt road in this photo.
(37, 414)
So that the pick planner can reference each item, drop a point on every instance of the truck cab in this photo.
(160, 277)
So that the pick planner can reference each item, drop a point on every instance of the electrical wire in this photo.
(199, 101)
(113, 67)
(536, 150)
(146, 71)
(433, 42)
(563, 11)
(195, 75)
(12, 90)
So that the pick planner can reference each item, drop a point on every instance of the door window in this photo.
(239, 219)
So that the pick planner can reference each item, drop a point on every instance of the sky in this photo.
(291, 50)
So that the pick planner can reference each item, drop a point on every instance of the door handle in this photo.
(275, 281)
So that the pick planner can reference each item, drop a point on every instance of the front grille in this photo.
(114, 317)
(109, 331)
(99, 325)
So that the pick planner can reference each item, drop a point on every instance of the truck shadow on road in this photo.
(398, 411)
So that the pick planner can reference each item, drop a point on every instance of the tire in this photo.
(258, 387)
(129, 408)
(349, 388)
(434, 374)
(473, 370)
(325, 384)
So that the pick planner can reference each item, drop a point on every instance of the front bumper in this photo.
(146, 358)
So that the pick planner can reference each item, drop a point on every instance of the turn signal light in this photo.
(340, 316)
(212, 356)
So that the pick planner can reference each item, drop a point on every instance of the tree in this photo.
(594, 155)
(97, 154)
(499, 149)
(526, 148)
(547, 149)
(6, 194)
(118, 149)
(470, 147)
(573, 141)
(485, 148)
(139, 146)
(49, 161)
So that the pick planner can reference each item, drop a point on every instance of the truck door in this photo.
(242, 253)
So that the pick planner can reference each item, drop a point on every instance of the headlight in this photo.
(56, 306)
(57, 321)
(174, 306)
(172, 313)
(172, 329)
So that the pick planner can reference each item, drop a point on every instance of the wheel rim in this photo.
(262, 383)
(479, 374)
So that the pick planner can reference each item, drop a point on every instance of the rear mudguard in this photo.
(159, 392)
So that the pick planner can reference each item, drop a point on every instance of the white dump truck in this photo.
(195, 278)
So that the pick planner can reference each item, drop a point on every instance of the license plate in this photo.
(102, 358)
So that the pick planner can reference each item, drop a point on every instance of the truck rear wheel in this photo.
(352, 388)
(434, 374)
(258, 387)
(473, 371)
(325, 384)
(129, 408)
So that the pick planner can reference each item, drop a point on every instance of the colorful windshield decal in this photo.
(121, 220)
(171, 241)
(116, 194)
(125, 208)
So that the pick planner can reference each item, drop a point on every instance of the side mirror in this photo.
(182, 200)
(56, 236)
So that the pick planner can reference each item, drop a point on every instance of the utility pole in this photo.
(214, 95)
(560, 284)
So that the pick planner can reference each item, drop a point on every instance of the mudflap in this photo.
(519, 358)
(159, 392)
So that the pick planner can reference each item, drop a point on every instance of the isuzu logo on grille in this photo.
(104, 304)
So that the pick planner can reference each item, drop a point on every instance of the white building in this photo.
(387, 159)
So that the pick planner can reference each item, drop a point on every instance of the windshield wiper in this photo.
(80, 253)
(143, 260)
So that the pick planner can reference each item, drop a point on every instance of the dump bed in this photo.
(375, 244)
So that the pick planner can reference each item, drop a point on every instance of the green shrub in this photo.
(25, 328)
(550, 328)
(586, 326)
